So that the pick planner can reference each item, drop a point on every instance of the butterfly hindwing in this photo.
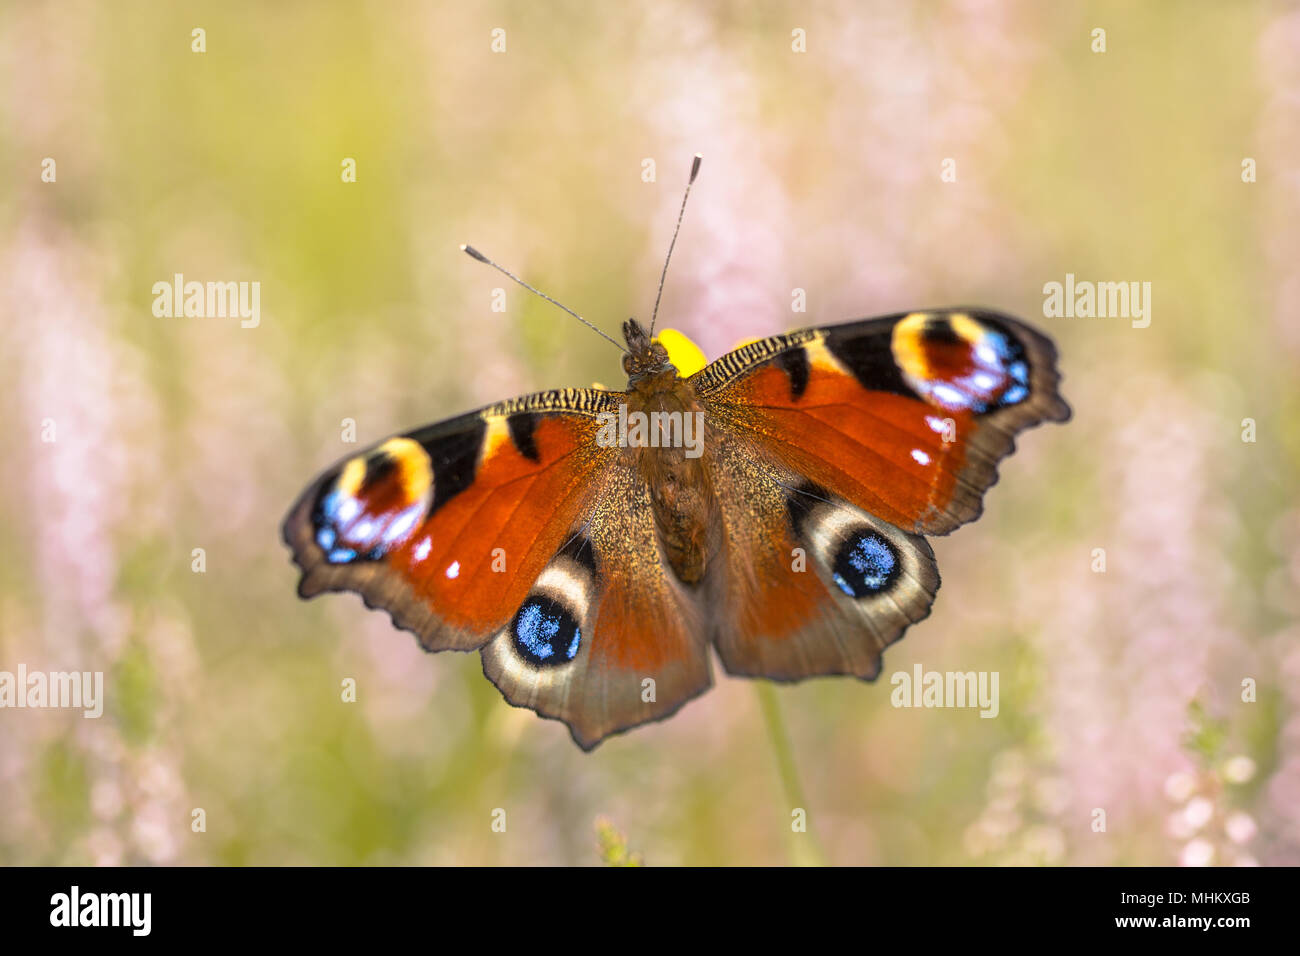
(607, 638)
(808, 585)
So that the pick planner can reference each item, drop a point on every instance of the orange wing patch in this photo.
(884, 452)
(477, 556)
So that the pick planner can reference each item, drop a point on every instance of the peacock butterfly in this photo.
(592, 544)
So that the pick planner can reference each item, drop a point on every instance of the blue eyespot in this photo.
(346, 531)
(866, 564)
(993, 372)
(1017, 389)
(545, 633)
(1013, 395)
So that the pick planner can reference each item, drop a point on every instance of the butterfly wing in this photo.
(904, 416)
(833, 451)
(447, 527)
(512, 530)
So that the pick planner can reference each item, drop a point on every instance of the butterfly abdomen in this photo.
(670, 457)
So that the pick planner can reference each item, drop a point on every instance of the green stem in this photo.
(806, 849)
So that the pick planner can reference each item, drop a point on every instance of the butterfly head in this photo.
(645, 358)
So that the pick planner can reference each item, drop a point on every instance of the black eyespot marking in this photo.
(455, 461)
(938, 330)
(579, 549)
(794, 362)
(866, 564)
(800, 502)
(521, 426)
(378, 467)
(545, 633)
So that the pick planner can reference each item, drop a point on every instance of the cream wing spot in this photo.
(881, 570)
(495, 436)
(822, 359)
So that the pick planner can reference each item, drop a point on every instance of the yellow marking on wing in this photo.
(969, 330)
(350, 478)
(820, 357)
(497, 433)
(413, 467)
(908, 345)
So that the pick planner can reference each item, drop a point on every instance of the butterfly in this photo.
(596, 547)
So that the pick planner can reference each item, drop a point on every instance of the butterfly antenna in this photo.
(475, 254)
(695, 171)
